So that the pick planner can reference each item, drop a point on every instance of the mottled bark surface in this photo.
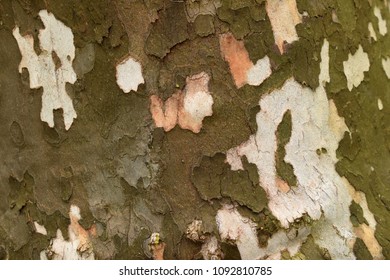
(215, 129)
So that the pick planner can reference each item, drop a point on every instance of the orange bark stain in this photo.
(282, 185)
(158, 251)
(165, 114)
(234, 52)
(82, 235)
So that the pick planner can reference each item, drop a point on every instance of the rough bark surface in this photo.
(195, 129)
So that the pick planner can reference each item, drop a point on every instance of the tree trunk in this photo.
(214, 129)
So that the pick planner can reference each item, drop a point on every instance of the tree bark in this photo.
(214, 129)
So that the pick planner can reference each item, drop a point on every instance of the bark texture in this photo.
(196, 129)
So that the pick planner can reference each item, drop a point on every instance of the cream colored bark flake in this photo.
(52, 68)
(235, 228)
(259, 72)
(382, 24)
(129, 75)
(380, 104)
(386, 66)
(355, 66)
(284, 16)
(40, 228)
(372, 31)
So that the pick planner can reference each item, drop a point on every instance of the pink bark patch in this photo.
(165, 114)
(234, 52)
(187, 108)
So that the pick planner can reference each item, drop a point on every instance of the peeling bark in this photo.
(253, 130)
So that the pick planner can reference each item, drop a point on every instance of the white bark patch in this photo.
(78, 247)
(338, 241)
(382, 25)
(211, 249)
(75, 213)
(336, 125)
(187, 108)
(242, 231)
(335, 18)
(324, 76)
(39, 228)
(314, 127)
(372, 31)
(320, 190)
(233, 227)
(380, 104)
(284, 16)
(129, 75)
(197, 102)
(355, 67)
(386, 66)
(282, 240)
(233, 156)
(52, 68)
(259, 72)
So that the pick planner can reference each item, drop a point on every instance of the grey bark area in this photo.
(194, 129)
